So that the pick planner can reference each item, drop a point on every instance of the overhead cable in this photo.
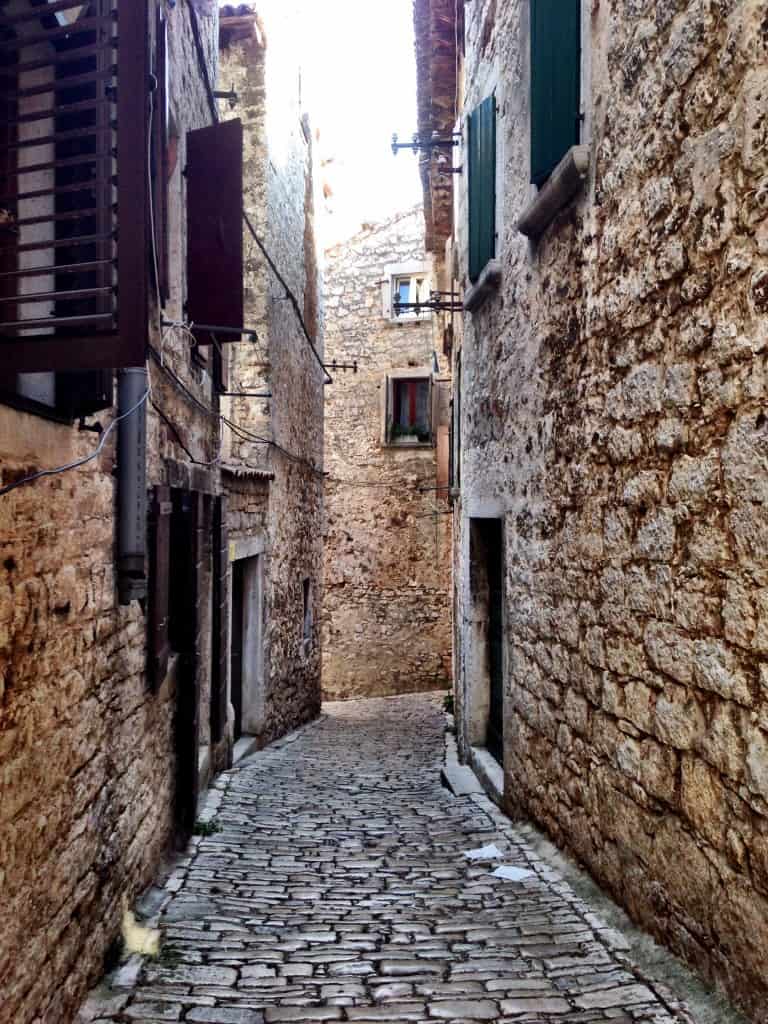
(77, 462)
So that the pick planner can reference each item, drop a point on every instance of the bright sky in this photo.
(359, 87)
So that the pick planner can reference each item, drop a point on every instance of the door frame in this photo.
(254, 629)
(478, 659)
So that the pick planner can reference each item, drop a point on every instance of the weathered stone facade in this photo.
(100, 768)
(612, 400)
(386, 618)
(88, 779)
(262, 65)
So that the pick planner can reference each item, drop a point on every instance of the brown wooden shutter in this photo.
(75, 185)
(215, 228)
(220, 638)
(158, 641)
(160, 153)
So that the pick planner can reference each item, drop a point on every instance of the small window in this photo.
(409, 414)
(555, 83)
(408, 289)
(403, 287)
(73, 254)
(482, 186)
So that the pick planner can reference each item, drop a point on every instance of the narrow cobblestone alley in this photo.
(337, 888)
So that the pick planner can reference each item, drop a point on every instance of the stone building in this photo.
(607, 233)
(276, 517)
(387, 610)
(116, 497)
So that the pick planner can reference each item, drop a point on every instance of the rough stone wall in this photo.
(613, 401)
(86, 749)
(278, 187)
(387, 615)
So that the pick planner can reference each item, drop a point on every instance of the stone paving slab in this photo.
(337, 889)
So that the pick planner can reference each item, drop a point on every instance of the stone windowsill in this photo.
(487, 284)
(407, 445)
(565, 181)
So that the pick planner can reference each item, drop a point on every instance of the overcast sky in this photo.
(360, 87)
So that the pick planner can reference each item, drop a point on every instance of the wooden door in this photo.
(184, 625)
(236, 650)
(495, 575)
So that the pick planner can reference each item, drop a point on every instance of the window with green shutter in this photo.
(555, 83)
(482, 186)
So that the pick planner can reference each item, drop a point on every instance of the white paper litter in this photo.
(491, 852)
(511, 874)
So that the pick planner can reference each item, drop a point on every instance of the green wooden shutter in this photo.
(555, 83)
(482, 186)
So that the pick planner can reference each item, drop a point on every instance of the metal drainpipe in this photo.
(132, 487)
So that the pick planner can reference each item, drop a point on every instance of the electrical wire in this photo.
(289, 295)
(179, 440)
(240, 431)
(77, 462)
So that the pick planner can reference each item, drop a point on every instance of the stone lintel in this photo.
(486, 285)
(563, 184)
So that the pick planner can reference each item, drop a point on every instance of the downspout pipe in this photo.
(132, 486)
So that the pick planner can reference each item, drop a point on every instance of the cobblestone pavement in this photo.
(337, 889)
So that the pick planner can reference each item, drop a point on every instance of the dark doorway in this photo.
(488, 588)
(183, 626)
(236, 666)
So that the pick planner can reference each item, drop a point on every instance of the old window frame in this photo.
(395, 272)
(121, 46)
(411, 373)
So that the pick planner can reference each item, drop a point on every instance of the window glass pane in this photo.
(421, 421)
(404, 289)
(410, 418)
(69, 16)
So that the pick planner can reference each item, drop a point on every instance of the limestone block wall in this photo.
(279, 184)
(87, 762)
(614, 412)
(387, 612)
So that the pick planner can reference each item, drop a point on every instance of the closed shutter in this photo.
(158, 640)
(443, 433)
(482, 186)
(160, 121)
(215, 228)
(555, 83)
(74, 82)
(389, 409)
(220, 638)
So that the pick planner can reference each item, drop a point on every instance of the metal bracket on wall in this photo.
(341, 366)
(438, 302)
(426, 143)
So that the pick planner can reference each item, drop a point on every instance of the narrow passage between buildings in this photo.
(334, 885)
